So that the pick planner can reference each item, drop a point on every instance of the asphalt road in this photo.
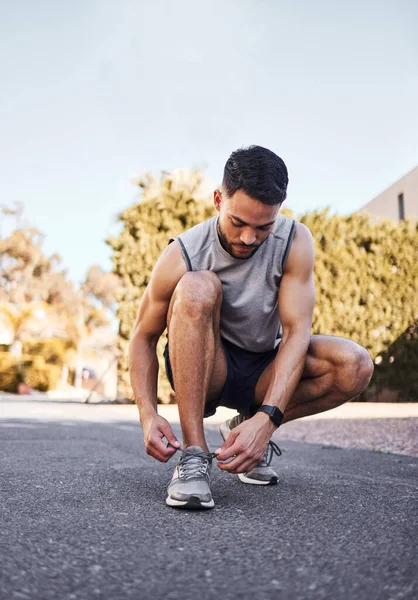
(83, 516)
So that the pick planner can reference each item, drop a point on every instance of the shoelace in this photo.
(271, 449)
(208, 455)
(190, 468)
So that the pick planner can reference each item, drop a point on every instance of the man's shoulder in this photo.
(283, 226)
(192, 241)
(302, 250)
(195, 230)
(303, 232)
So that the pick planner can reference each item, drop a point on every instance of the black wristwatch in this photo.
(275, 414)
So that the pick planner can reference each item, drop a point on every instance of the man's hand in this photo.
(155, 428)
(247, 442)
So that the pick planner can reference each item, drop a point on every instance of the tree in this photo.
(168, 206)
(38, 300)
(21, 322)
(366, 275)
(104, 288)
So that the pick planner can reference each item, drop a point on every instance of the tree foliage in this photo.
(31, 369)
(366, 275)
(38, 300)
(169, 205)
(367, 287)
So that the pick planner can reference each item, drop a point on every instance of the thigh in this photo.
(219, 368)
(325, 353)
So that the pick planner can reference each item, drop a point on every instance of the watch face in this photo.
(274, 413)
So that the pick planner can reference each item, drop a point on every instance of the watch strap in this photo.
(275, 414)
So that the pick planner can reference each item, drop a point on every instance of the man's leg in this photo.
(336, 370)
(196, 355)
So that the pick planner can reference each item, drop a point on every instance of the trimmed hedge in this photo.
(396, 369)
(367, 287)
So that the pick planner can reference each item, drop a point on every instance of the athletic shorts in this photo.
(244, 370)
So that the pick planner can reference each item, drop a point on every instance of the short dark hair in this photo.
(257, 171)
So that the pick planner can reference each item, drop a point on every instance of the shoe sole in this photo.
(244, 479)
(194, 502)
(225, 431)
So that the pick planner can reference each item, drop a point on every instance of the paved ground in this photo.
(83, 516)
(381, 427)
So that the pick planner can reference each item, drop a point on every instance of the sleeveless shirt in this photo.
(249, 312)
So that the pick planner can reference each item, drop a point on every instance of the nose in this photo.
(247, 237)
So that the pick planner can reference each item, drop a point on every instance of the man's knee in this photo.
(197, 292)
(357, 372)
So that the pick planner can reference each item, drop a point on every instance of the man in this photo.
(237, 294)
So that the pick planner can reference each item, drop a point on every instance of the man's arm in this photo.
(143, 362)
(296, 303)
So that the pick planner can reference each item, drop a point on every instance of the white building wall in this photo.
(386, 204)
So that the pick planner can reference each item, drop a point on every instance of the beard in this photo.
(229, 247)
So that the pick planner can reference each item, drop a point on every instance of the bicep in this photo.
(297, 287)
(153, 307)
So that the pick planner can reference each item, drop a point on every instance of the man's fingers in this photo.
(234, 465)
(162, 456)
(238, 465)
(230, 440)
(247, 466)
(226, 453)
(159, 450)
(169, 435)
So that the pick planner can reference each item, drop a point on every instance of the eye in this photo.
(237, 224)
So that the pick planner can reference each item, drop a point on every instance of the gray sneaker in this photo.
(262, 474)
(189, 487)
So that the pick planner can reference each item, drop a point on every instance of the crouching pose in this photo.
(236, 294)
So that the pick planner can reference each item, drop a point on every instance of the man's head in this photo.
(254, 187)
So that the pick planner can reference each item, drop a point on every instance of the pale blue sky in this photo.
(95, 92)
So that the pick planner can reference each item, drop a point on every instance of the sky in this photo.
(94, 93)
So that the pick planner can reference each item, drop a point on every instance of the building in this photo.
(397, 202)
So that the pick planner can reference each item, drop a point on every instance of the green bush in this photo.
(39, 375)
(366, 276)
(54, 351)
(366, 279)
(9, 374)
(168, 207)
(396, 369)
(31, 370)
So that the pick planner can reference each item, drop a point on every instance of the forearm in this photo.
(287, 368)
(143, 371)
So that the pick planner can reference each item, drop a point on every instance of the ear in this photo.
(217, 199)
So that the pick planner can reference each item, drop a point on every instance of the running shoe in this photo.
(189, 487)
(262, 474)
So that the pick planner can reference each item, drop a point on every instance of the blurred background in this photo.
(116, 122)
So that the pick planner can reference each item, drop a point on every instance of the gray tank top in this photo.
(249, 313)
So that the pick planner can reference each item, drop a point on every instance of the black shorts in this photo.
(244, 370)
